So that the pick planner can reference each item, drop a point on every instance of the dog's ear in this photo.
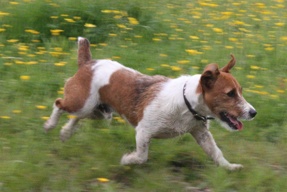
(209, 76)
(229, 65)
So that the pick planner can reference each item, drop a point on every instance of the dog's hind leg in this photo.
(205, 139)
(69, 128)
(141, 154)
(53, 119)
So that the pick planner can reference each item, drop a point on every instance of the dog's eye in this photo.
(232, 93)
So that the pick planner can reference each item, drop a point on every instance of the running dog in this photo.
(156, 106)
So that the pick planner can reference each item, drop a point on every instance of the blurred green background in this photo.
(38, 52)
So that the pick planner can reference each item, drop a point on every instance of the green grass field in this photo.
(38, 52)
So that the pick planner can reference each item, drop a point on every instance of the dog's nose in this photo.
(252, 113)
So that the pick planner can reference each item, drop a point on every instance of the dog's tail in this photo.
(84, 53)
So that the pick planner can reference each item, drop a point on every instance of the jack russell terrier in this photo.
(157, 106)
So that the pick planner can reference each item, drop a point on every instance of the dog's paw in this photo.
(132, 158)
(65, 134)
(49, 124)
(234, 167)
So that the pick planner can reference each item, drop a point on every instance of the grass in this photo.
(38, 52)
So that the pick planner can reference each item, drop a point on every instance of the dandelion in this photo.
(72, 38)
(280, 91)
(25, 77)
(14, 3)
(228, 47)
(5, 117)
(16, 111)
(102, 180)
(254, 67)
(164, 65)
(150, 69)
(133, 21)
(193, 52)
(89, 25)
(70, 20)
(34, 32)
(112, 35)
(41, 107)
(45, 118)
(280, 24)
(12, 40)
(183, 62)
(72, 116)
(107, 11)
(4, 13)
(250, 76)
(194, 37)
(156, 39)
(121, 26)
(217, 30)
(175, 68)
(32, 63)
(2, 29)
(163, 55)
(56, 32)
(60, 64)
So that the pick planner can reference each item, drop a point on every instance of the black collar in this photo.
(195, 114)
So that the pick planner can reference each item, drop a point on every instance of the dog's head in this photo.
(223, 95)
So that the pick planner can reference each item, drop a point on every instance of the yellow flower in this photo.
(121, 26)
(103, 180)
(70, 20)
(32, 31)
(12, 40)
(193, 37)
(183, 62)
(112, 35)
(150, 69)
(156, 39)
(175, 68)
(60, 64)
(25, 77)
(45, 118)
(280, 91)
(2, 29)
(56, 32)
(72, 38)
(89, 25)
(14, 3)
(133, 21)
(193, 51)
(217, 30)
(41, 107)
(250, 76)
(72, 116)
(4, 13)
(16, 111)
(254, 67)
(5, 117)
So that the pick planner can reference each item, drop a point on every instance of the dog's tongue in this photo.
(237, 123)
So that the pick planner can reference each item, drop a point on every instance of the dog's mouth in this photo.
(232, 121)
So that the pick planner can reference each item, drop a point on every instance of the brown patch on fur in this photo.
(77, 89)
(129, 93)
(216, 96)
(84, 53)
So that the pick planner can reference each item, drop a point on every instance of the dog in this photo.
(156, 106)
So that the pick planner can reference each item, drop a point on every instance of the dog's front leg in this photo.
(141, 154)
(53, 119)
(205, 139)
